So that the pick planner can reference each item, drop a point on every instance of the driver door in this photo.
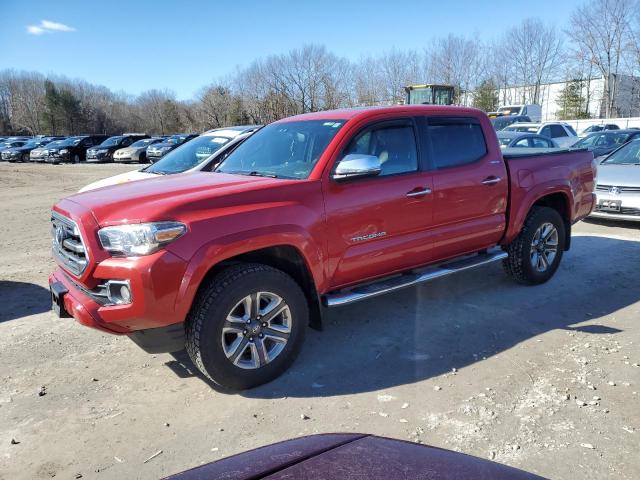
(379, 225)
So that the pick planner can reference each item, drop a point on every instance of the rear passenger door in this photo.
(470, 186)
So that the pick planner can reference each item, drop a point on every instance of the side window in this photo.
(522, 143)
(546, 131)
(394, 145)
(127, 141)
(558, 131)
(540, 143)
(455, 142)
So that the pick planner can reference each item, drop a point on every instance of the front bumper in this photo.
(155, 282)
(629, 206)
(100, 157)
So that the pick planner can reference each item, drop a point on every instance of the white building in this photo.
(626, 104)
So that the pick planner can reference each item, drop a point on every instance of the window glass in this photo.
(588, 141)
(395, 146)
(570, 128)
(557, 131)
(283, 149)
(540, 143)
(504, 141)
(457, 142)
(523, 143)
(627, 155)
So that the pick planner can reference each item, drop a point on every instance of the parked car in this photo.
(532, 111)
(598, 128)
(8, 145)
(524, 140)
(603, 143)
(199, 154)
(504, 121)
(73, 149)
(104, 151)
(618, 184)
(21, 153)
(562, 133)
(326, 208)
(157, 151)
(137, 151)
(352, 456)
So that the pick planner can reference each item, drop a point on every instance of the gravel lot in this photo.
(542, 378)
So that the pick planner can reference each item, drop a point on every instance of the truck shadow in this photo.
(20, 299)
(424, 332)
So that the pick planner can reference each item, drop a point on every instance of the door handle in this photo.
(419, 192)
(491, 180)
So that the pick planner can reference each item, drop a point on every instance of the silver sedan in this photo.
(618, 184)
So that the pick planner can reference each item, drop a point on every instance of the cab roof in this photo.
(350, 113)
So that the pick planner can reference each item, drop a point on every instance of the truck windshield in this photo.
(282, 150)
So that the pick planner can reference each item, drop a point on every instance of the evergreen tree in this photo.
(571, 101)
(486, 96)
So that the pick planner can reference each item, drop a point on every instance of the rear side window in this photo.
(455, 142)
(558, 131)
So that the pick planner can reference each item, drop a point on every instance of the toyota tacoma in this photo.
(311, 212)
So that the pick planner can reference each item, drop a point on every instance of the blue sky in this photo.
(133, 46)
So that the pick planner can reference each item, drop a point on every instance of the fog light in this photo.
(119, 292)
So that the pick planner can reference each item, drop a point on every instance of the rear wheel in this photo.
(76, 158)
(25, 157)
(535, 254)
(247, 326)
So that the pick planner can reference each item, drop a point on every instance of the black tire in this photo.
(217, 299)
(76, 158)
(519, 263)
(25, 157)
(142, 158)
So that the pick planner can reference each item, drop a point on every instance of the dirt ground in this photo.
(542, 378)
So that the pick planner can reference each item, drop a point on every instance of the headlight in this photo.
(139, 239)
(64, 151)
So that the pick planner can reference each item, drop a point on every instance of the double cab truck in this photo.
(310, 212)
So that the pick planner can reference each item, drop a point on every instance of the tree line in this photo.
(602, 39)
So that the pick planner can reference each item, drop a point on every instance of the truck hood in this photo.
(167, 197)
(619, 175)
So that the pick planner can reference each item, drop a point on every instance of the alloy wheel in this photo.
(256, 330)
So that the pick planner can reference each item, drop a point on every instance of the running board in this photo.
(411, 278)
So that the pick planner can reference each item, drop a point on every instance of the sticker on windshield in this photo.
(332, 124)
(218, 140)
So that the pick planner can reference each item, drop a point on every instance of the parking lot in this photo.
(542, 378)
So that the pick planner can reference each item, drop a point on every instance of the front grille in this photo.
(607, 188)
(67, 244)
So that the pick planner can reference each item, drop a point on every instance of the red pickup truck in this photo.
(313, 211)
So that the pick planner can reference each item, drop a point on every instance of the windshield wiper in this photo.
(253, 173)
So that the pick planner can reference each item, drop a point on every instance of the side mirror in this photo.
(357, 165)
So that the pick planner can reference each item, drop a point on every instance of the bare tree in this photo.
(532, 53)
(601, 28)
(459, 62)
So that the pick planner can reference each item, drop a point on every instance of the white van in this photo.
(533, 111)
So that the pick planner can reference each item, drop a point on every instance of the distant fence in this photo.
(580, 125)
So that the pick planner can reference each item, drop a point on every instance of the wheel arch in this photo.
(559, 202)
(285, 257)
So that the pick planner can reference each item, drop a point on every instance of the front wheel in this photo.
(76, 158)
(247, 326)
(535, 254)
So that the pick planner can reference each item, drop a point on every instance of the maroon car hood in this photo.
(352, 456)
(144, 199)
